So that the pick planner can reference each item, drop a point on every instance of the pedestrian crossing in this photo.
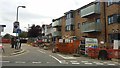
(72, 62)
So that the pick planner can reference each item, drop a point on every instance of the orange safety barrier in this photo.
(68, 47)
(116, 53)
(93, 52)
(6, 40)
(110, 53)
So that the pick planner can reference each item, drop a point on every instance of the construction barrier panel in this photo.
(116, 53)
(110, 53)
(68, 47)
(6, 41)
(93, 52)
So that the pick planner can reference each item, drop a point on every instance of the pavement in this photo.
(8, 51)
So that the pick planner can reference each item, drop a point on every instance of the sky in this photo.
(37, 12)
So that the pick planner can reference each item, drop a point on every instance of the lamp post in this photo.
(17, 11)
(16, 23)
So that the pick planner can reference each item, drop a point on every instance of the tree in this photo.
(23, 34)
(7, 36)
(35, 31)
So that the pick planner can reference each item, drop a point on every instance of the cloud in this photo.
(36, 11)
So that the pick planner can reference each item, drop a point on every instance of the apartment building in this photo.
(56, 26)
(93, 26)
(112, 13)
(47, 32)
(95, 20)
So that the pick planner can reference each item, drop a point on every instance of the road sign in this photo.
(18, 31)
(16, 27)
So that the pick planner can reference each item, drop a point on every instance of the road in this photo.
(35, 56)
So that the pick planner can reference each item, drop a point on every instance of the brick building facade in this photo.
(94, 20)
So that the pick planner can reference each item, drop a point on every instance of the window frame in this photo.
(97, 20)
(69, 27)
(113, 18)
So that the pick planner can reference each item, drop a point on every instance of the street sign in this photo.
(18, 31)
(2, 28)
(16, 27)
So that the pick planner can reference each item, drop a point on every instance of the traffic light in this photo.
(16, 26)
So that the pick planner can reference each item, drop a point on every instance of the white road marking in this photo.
(75, 63)
(105, 62)
(64, 62)
(20, 62)
(68, 57)
(60, 61)
(99, 63)
(17, 54)
(5, 61)
(88, 63)
(41, 51)
(84, 61)
(47, 62)
(116, 62)
(96, 62)
(36, 62)
(111, 64)
(55, 58)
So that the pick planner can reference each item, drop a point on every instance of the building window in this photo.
(58, 29)
(69, 15)
(114, 36)
(72, 27)
(79, 25)
(72, 15)
(83, 23)
(69, 27)
(110, 2)
(112, 19)
(98, 20)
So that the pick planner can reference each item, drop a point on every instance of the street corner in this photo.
(17, 52)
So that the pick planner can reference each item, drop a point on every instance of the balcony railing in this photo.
(91, 27)
(56, 33)
(69, 21)
(90, 10)
(56, 23)
(48, 31)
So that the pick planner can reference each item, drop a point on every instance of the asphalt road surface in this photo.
(35, 56)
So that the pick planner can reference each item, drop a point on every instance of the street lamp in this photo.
(17, 11)
(16, 28)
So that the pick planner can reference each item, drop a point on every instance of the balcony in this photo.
(70, 21)
(48, 31)
(56, 33)
(90, 10)
(56, 23)
(91, 27)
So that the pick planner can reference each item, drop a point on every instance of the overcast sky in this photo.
(36, 12)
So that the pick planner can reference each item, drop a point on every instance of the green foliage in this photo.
(35, 31)
(23, 35)
(7, 36)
